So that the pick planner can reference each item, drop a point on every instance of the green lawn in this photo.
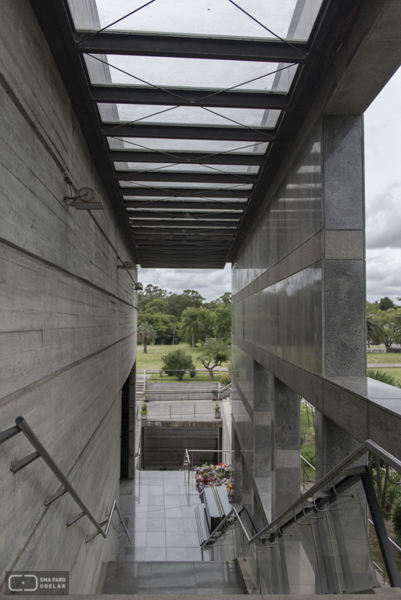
(384, 358)
(153, 358)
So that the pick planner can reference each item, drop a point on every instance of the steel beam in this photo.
(184, 177)
(120, 94)
(184, 46)
(186, 132)
(192, 204)
(185, 192)
(187, 157)
(136, 216)
(204, 223)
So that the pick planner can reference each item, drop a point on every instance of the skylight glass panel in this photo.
(291, 19)
(185, 200)
(191, 73)
(179, 184)
(188, 115)
(185, 167)
(171, 145)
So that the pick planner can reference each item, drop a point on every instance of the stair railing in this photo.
(40, 452)
(274, 528)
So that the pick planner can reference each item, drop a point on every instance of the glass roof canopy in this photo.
(187, 101)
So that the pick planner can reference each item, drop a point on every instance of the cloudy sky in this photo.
(383, 211)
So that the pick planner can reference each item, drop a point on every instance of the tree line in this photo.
(167, 318)
(383, 322)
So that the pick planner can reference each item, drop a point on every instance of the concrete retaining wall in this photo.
(68, 324)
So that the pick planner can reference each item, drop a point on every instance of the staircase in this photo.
(140, 384)
(172, 578)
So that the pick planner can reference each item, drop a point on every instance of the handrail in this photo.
(367, 445)
(41, 450)
(220, 525)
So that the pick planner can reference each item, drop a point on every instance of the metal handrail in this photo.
(367, 445)
(41, 450)
(220, 525)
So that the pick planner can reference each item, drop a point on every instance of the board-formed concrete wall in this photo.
(68, 322)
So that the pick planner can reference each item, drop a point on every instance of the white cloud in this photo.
(383, 192)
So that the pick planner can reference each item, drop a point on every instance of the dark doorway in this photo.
(125, 405)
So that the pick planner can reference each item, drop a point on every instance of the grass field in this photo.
(385, 358)
(153, 358)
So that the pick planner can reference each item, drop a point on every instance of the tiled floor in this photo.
(160, 510)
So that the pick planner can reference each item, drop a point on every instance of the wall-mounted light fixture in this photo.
(85, 198)
(138, 286)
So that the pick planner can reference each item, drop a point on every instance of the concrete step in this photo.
(172, 578)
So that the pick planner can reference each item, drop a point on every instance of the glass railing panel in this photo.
(348, 534)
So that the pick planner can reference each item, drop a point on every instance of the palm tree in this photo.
(191, 323)
(374, 329)
(146, 335)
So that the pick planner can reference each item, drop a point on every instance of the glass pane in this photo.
(188, 115)
(178, 184)
(291, 19)
(185, 167)
(188, 73)
(185, 200)
(207, 146)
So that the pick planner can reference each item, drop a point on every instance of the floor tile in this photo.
(191, 539)
(154, 524)
(174, 525)
(173, 501)
(138, 539)
(155, 553)
(177, 554)
(174, 512)
(156, 539)
(189, 524)
(156, 500)
(175, 540)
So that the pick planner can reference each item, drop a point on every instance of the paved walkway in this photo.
(383, 365)
(160, 509)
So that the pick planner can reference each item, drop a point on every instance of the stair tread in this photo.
(178, 578)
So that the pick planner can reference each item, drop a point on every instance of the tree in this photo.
(222, 320)
(385, 303)
(374, 330)
(191, 324)
(146, 335)
(163, 324)
(176, 363)
(212, 355)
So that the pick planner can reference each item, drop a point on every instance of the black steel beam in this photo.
(157, 215)
(167, 204)
(184, 177)
(183, 46)
(186, 132)
(172, 192)
(187, 157)
(160, 224)
(118, 94)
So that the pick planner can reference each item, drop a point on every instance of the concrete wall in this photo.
(68, 324)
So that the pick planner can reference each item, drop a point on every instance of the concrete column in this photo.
(286, 447)
(344, 318)
(262, 436)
